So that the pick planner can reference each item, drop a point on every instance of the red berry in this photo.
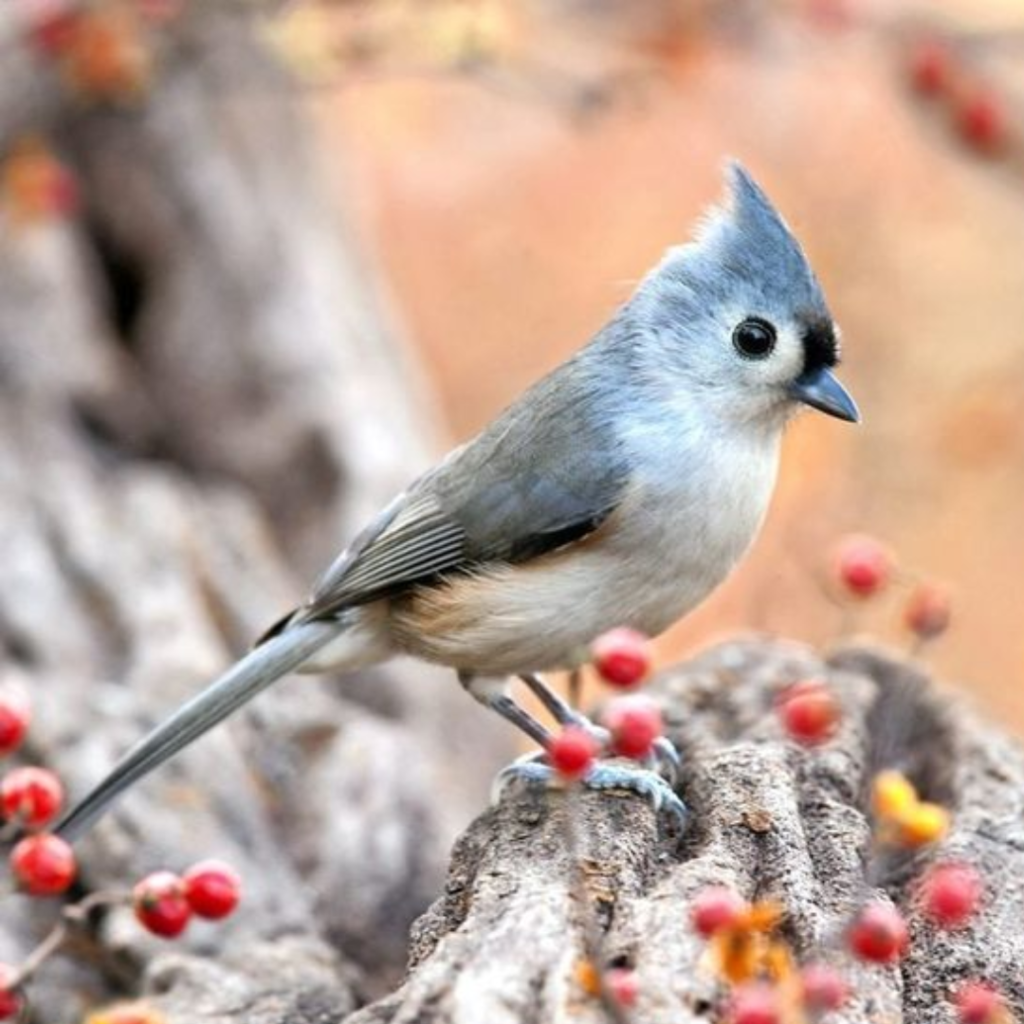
(863, 565)
(927, 611)
(31, 796)
(950, 894)
(982, 122)
(15, 714)
(44, 865)
(54, 30)
(823, 988)
(622, 985)
(809, 712)
(622, 656)
(879, 934)
(160, 904)
(635, 723)
(212, 889)
(572, 752)
(978, 1003)
(930, 66)
(755, 1003)
(11, 1002)
(715, 909)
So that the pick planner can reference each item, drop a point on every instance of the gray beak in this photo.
(821, 390)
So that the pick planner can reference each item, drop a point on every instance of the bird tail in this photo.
(263, 665)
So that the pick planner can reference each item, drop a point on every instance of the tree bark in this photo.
(200, 388)
(769, 819)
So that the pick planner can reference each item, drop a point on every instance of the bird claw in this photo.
(666, 761)
(529, 769)
(532, 770)
(648, 784)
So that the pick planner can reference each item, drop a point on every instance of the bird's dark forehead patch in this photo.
(821, 346)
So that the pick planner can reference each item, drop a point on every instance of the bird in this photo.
(619, 490)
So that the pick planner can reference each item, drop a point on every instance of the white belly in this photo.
(659, 555)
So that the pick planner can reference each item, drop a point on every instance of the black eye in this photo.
(754, 339)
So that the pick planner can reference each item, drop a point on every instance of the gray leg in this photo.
(649, 784)
(560, 711)
(531, 768)
(505, 706)
(665, 757)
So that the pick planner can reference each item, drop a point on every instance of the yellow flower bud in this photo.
(923, 824)
(893, 795)
(587, 977)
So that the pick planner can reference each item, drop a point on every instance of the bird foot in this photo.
(532, 770)
(663, 759)
(666, 761)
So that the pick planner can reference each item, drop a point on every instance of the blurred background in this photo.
(512, 202)
(510, 167)
(262, 262)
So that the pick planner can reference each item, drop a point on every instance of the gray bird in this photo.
(621, 489)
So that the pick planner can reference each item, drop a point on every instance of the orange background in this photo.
(509, 226)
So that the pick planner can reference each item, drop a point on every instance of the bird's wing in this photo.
(413, 539)
(421, 540)
(530, 484)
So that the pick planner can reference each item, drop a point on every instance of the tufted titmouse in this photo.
(619, 490)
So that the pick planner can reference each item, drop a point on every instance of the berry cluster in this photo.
(937, 71)
(44, 865)
(101, 51)
(30, 799)
(941, 68)
(766, 986)
(766, 983)
(164, 902)
(864, 568)
(622, 658)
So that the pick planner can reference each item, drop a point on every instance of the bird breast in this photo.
(677, 534)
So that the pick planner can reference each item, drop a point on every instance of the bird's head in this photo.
(737, 318)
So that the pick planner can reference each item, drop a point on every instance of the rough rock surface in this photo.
(201, 391)
(768, 818)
